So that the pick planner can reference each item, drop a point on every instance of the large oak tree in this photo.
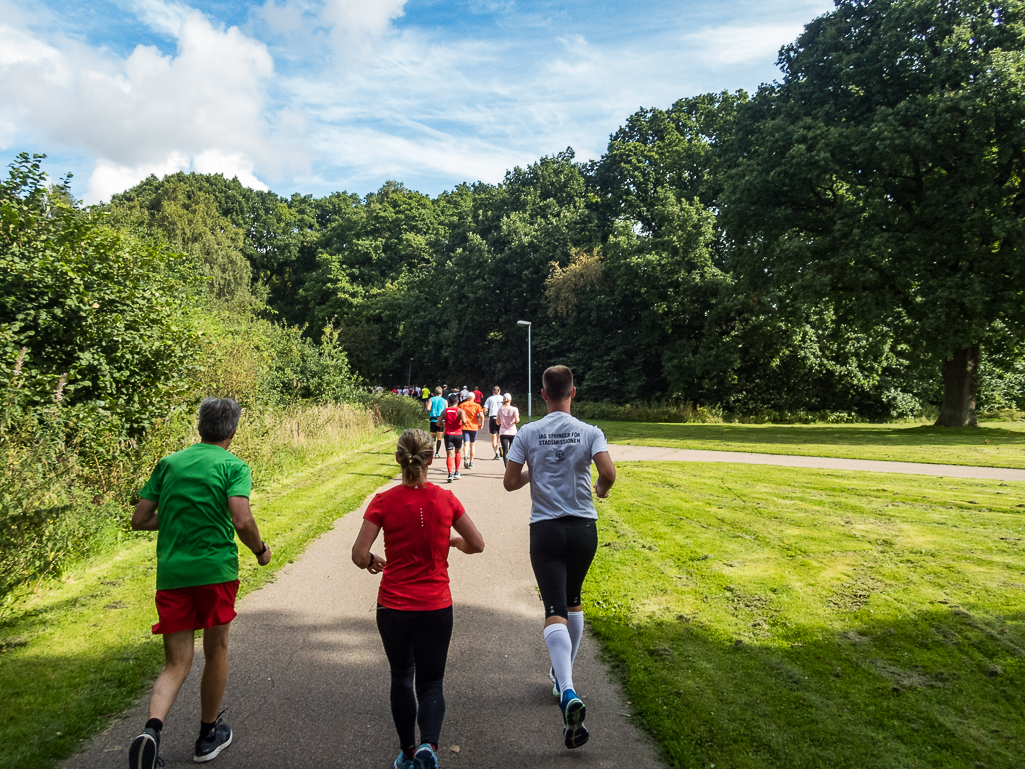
(885, 173)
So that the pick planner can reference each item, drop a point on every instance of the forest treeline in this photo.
(847, 240)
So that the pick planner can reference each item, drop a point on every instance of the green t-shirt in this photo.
(196, 539)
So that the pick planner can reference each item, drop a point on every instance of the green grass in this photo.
(767, 617)
(989, 446)
(79, 651)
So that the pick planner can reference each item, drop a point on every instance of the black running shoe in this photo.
(144, 752)
(208, 748)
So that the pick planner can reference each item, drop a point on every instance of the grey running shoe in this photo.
(573, 712)
(208, 748)
(144, 751)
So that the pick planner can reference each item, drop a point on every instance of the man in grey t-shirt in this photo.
(557, 451)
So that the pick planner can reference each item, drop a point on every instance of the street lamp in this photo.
(409, 378)
(530, 395)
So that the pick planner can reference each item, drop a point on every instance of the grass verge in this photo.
(767, 617)
(989, 446)
(79, 651)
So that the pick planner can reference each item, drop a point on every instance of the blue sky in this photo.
(314, 96)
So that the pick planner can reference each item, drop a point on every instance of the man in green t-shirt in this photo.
(197, 500)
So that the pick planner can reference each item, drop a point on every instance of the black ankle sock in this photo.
(156, 724)
(205, 729)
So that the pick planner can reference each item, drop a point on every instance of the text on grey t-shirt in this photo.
(558, 449)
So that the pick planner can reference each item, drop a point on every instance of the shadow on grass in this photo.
(939, 689)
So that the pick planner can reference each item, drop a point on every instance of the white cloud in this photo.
(161, 16)
(730, 45)
(357, 18)
(108, 177)
(204, 107)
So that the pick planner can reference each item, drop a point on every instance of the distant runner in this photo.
(475, 421)
(558, 451)
(437, 407)
(455, 422)
(491, 407)
(508, 418)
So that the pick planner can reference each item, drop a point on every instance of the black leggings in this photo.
(416, 644)
(506, 443)
(561, 551)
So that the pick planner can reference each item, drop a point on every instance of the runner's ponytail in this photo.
(415, 449)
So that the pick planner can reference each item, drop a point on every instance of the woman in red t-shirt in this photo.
(414, 603)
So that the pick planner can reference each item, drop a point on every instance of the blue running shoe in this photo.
(573, 712)
(555, 682)
(402, 762)
(425, 757)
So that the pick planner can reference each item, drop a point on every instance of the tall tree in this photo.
(95, 309)
(885, 173)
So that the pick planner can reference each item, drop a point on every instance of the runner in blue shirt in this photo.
(437, 406)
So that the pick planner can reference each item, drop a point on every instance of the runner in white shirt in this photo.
(491, 407)
(558, 451)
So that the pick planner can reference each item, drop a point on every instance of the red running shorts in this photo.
(195, 608)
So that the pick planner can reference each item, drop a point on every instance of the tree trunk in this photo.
(960, 384)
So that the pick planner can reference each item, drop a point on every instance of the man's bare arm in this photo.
(516, 476)
(246, 528)
(145, 516)
(606, 473)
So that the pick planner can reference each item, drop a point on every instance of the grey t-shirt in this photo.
(558, 450)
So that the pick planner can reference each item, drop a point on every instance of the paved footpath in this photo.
(659, 454)
(308, 682)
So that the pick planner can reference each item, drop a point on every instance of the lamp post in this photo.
(409, 378)
(530, 395)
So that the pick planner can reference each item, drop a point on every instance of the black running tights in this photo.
(416, 644)
(506, 441)
(561, 551)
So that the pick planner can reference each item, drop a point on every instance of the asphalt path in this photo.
(659, 454)
(308, 681)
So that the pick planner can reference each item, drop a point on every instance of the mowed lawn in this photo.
(770, 617)
(993, 445)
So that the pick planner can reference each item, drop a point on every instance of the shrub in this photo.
(398, 410)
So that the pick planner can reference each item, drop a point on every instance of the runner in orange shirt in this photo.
(474, 422)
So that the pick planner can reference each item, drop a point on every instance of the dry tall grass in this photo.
(277, 440)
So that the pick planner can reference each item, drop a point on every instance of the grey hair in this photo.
(218, 419)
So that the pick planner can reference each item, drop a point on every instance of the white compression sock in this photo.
(576, 630)
(560, 649)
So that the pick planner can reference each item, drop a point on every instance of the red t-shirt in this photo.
(453, 421)
(417, 523)
(480, 397)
